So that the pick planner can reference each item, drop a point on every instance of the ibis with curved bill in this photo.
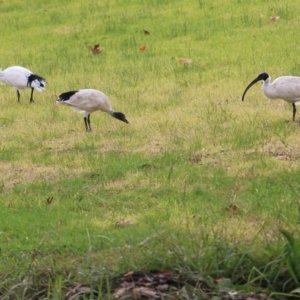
(87, 101)
(286, 88)
(21, 78)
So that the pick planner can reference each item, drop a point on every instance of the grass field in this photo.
(206, 183)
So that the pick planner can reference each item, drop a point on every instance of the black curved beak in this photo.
(258, 78)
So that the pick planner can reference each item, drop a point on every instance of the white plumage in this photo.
(21, 78)
(286, 88)
(87, 101)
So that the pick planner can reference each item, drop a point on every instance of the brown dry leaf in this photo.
(124, 223)
(163, 287)
(81, 288)
(274, 18)
(185, 60)
(96, 49)
(231, 208)
(218, 279)
(129, 273)
(144, 291)
(127, 285)
(247, 296)
(121, 292)
(142, 48)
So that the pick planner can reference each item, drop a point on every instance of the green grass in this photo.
(192, 149)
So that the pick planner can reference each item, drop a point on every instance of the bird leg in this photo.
(18, 94)
(87, 123)
(294, 111)
(31, 99)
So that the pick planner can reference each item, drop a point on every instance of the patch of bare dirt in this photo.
(163, 284)
(12, 174)
(154, 147)
(282, 151)
(205, 158)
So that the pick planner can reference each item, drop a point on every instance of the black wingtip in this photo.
(66, 96)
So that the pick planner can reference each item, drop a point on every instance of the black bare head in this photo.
(120, 116)
(66, 96)
(262, 76)
(33, 77)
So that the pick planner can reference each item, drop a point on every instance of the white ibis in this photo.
(21, 78)
(286, 88)
(87, 101)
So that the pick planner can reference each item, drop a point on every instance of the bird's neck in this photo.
(266, 83)
(269, 90)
